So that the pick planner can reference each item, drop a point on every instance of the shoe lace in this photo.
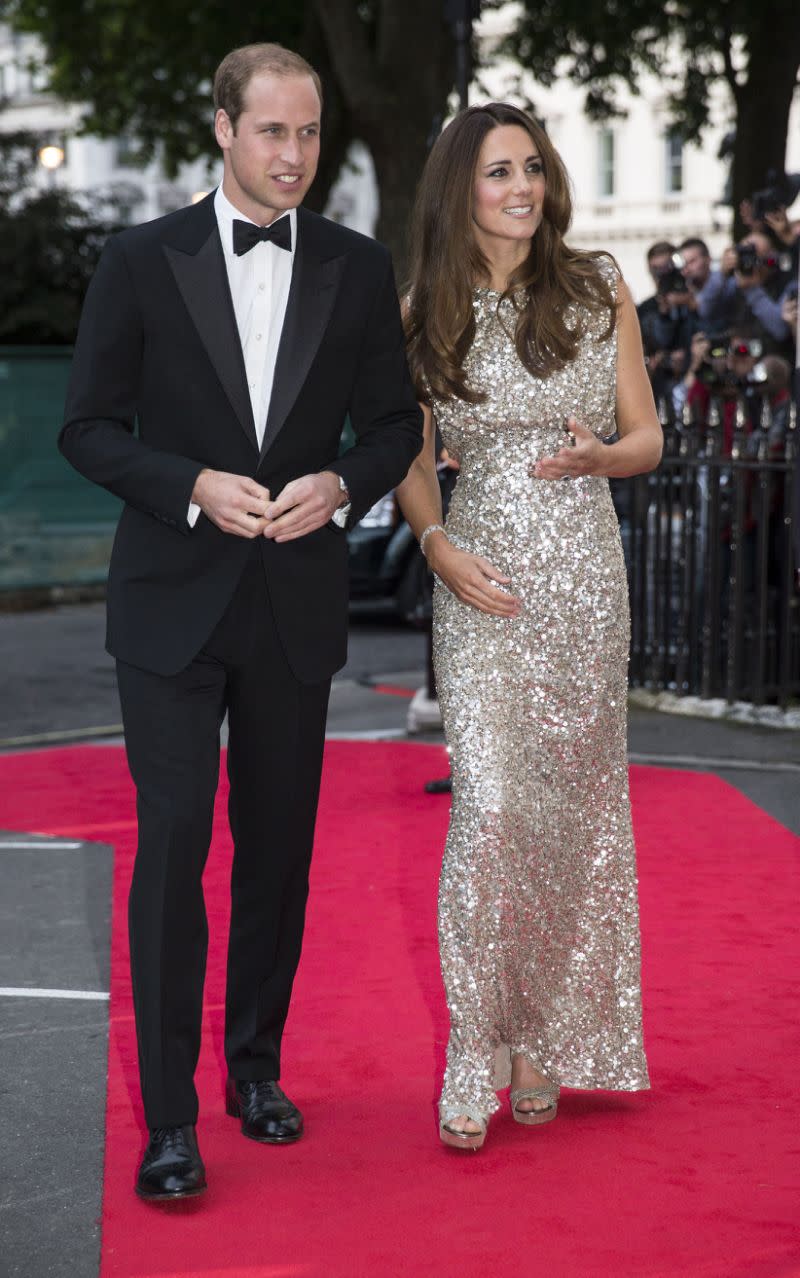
(171, 1137)
(265, 1090)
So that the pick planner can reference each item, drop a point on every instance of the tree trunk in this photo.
(762, 112)
(393, 95)
(337, 128)
(398, 159)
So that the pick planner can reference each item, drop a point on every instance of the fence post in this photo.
(788, 600)
(712, 604)
(737, 571)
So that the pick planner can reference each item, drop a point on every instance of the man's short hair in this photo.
(659, 249)
(694, 243)
(779, 373)
(237, 68)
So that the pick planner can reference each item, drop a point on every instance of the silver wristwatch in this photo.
(341, 513)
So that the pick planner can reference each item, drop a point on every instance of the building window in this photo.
(673, 163)
(127, 152)
(605, 171)
(39, 78)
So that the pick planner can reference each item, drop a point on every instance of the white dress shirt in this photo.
(259, 282)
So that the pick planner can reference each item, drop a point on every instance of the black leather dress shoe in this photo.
(172, 1166)
(265, 1111)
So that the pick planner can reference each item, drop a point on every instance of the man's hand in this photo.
(682, 299)
(700, 349)
(778, 221)
(758, 278)
(236, 504)
(304, 505)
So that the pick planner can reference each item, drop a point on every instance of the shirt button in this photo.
(261, 288)
(258, 337)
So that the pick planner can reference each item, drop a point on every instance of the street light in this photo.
(461, 14)
(51, 157)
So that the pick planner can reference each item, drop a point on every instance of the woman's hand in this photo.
(470, 578)
(584, 457)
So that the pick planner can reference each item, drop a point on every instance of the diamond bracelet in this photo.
(432, 528)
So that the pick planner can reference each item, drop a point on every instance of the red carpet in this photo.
(698, 1177)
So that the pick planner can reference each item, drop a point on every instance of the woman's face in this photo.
(508, 194)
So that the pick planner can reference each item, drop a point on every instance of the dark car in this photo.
(386, 563)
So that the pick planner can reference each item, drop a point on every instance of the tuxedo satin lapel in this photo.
(203, 283)
(315, 282)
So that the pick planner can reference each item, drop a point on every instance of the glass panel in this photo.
(674, 163)
(606, 162)
(55, 527)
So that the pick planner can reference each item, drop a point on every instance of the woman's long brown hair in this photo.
(446, 264)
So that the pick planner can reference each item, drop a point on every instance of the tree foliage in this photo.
(50, 241)
(144, 68)
(601, 44)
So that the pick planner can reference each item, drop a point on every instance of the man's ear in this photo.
(223, 129)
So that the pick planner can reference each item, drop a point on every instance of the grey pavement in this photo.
(55, 917)
(57, 686)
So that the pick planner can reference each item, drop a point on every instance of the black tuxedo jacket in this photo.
(158, 392)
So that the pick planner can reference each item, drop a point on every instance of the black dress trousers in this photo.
(276, 740)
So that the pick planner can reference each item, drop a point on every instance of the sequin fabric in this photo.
(538, 908)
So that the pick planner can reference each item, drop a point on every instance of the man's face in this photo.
(659, 265)
(696, 266)
(271, 157)
(740, 363)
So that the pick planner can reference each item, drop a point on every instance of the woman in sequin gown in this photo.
(538, 912)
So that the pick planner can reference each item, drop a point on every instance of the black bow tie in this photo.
(246, 235)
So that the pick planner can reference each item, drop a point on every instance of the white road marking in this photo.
(708, 763)
(10, 991)
(374, 734)
(45, 846)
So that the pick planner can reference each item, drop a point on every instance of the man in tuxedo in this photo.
(219, 352)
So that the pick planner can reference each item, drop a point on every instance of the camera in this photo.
(752, 348)
(722, 380)
(671, 280)
(747, 259)
(770, 200)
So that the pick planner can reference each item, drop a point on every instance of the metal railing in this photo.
(711, 568)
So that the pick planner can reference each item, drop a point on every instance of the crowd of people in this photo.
(727, 330)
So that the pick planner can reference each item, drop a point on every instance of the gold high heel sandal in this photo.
(532, 1117)
(462, 1140)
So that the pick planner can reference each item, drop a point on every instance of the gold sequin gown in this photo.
(538, 909)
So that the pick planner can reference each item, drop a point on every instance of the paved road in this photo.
(58, 680)
(58, 684)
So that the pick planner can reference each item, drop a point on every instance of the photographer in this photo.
(659, 262)
(751, 286)
(766, 211)
(707, 294)
(727, 370)
(676, 318)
